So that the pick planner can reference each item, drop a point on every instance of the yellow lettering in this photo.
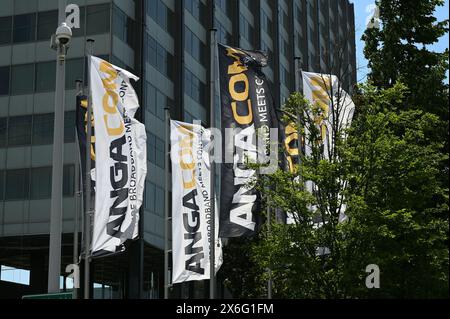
(242, 119)
(113, 130)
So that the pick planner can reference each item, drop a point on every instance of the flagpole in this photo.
(298, 72)
(212, 270)
(56, 203)
(79, 88)
(269, 270)
(166, 206)
(87, 235)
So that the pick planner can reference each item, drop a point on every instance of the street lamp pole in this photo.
(60, 43)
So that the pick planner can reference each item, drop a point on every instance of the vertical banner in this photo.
(326, 92)
(121, 157)
(191, 204)
(247, 109)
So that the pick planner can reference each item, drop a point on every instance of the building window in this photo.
(194, 46)
(194, 87)
(225, 6)
(158, 57)
(195, 7)
(161, 14)
(98, 19)
(246, 29)
(22, 78)
(45, 76)
(18, 182)
(266, 23)
(5, 30)
(150, 196)
(19, 130)
(69, 127)
(123, 26)
(68, 180)
(159, 204)
(41, 183)
(3, 131)
(155, 150)
(4, 80)
(223, 35)
(74, 71)
(24, 27)
(2, 184)
(47, 24)
(43, 129)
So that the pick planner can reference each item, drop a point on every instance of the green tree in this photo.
(397, 209)
(398, 51)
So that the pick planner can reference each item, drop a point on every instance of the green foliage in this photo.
(398, 52)
(396, 205)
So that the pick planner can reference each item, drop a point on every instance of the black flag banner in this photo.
(247, 108)
(81, 127)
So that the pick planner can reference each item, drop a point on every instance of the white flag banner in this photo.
(191, 204)
(325, 91)
(121, 157)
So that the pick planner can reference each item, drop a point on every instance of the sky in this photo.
(362, 12)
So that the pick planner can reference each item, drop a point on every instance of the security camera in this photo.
(63, 34)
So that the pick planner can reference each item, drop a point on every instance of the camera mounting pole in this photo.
(60, 41)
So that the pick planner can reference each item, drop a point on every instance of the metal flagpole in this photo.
(298, 71)
(166, 206)
(54, 257)
(212, 251)
(79, 87)
(269, 281)
(88, 213)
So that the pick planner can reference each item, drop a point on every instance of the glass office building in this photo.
(165, 43)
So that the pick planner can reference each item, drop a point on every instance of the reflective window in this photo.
(45, 76)
(5, 30)
(155, 150)
(159, 204)
(159, 153)
(196, 8)
(158, 57)
(150, 98)
(47, 24)
(19, 130)
(151, 148)
(161, 14)
(161, 104)
(2, 184)
(43, 129)
(194, 46)
(3, 131)
(22, 79)
(69, 180)
(123, 26)
(69, 127)
(24, 27)
(98, 17)
(41, 183)
(4, 80)
(194, 87)
(74, 71)
(150, 196)
(18, 181)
